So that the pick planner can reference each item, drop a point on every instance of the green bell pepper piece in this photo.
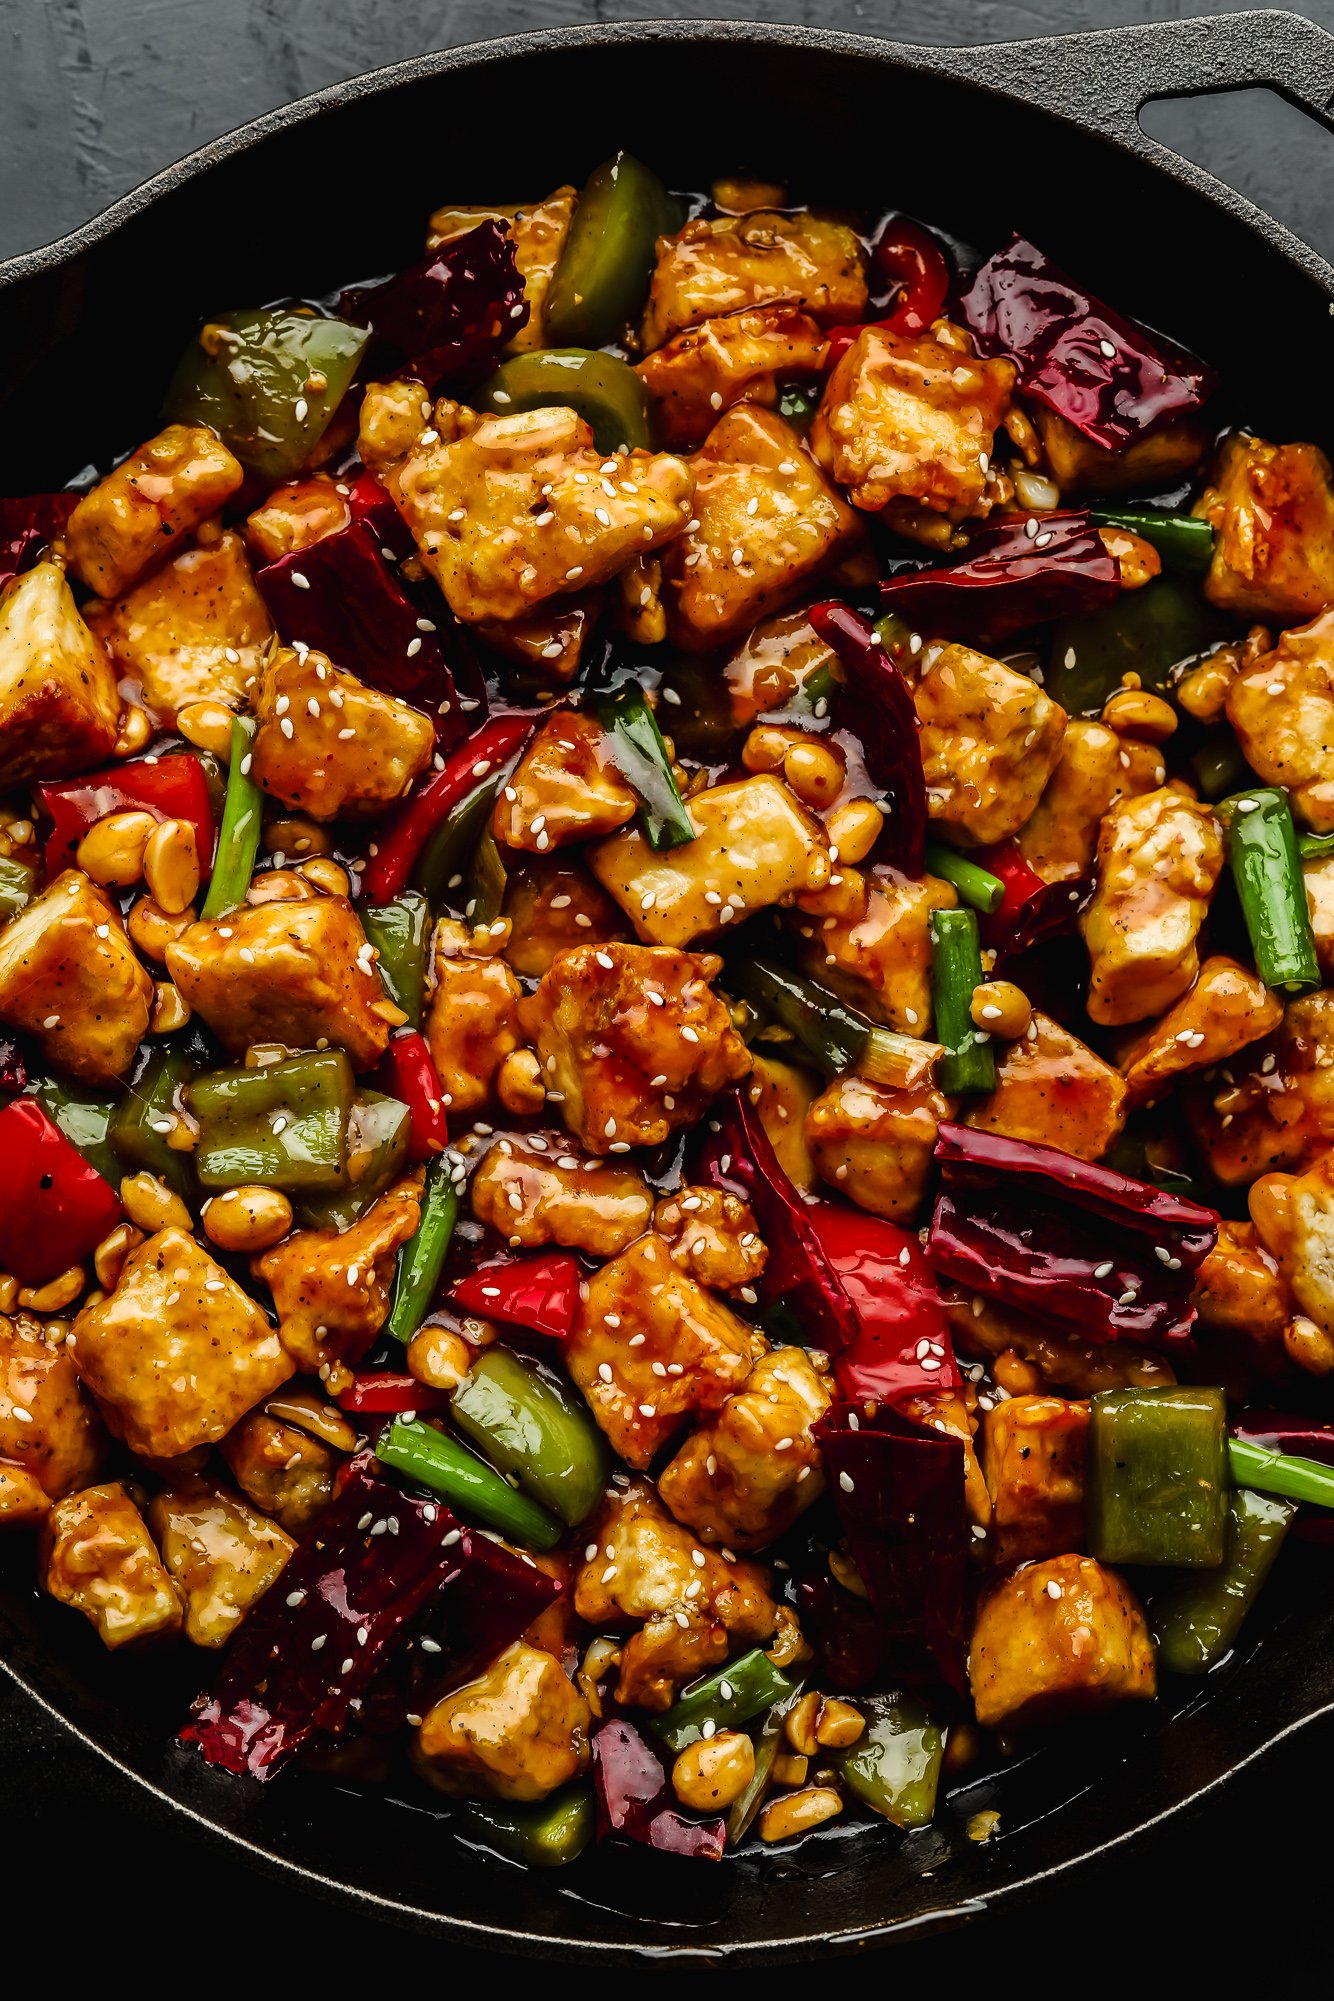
(379, 1131)
(422, 1258)
(956, 971)
(1149, 632)
(640, 755)
(435, 1460)
(894, 1766)
(1184, 541)
(768, 1742)
(85, 1119)
(1266, 867)
(603, 390)
(401, 933)
(16, 885)
(283, 1125)
(727, 1698)
(155, 1095)
(545, 1835)
(1157, 1476)
(1197, 1618)
(268, 381)
(797, 406)
(242, 823)
(602, 279)
(535, 1430)
(487, 882)
(441, 867)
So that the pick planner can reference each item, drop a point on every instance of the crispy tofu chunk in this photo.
(196, 630)
(566, 787)
(538, 231)
(1240, 1292)
(1058, 1638)
(177, 1353)
(1272, 510)
(1294, 1219)
(879, 957)
(298, 515)
(47, 1425)
(1274, 1108)
(740, 357)
(392, 418)
(98, 1556)
(472, 1022)
(1033, 1453)
(69, 976)
(1053, 1089)
(510, 511)
(24, 1501)
(696, 1607)
(745, 1477)
(726, 262)
(329, 745)
(530, 1190)
(1228, 1008)
(514, 1732)
(651, 1346)
(1150, 465)
(332, 1287)
(711, 1236)
(875, 1143)
(1282, 708)
(222, 1555)
(1095, 769)
(755, 845)
(990, 741)
(908, 425)
(552, 903)
(1319, 877)
(1159, 857)
(59, 703)
(144, 509)
(782, 1094)
(291, 972)
(757, 491)
(635, 1040)
(281, 1468)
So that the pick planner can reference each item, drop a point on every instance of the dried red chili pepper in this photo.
(408, 1073)
(453, 312)
(885, 721)
(635, 1800)
(1012, 575)
(479, 757)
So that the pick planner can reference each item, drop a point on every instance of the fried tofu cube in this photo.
(390, 422)
(538, 231)
(1150, 465)
(47, 1425)
(712, 1237)
(1275, 1107)
(332, 1287)
(723, 263)
(98, 1556)
(531, 1191)
(690, 1354)
(282, 1469)
(875, 1143)
(1319, 878)
(755, 845)
(291, 972)
(782, 1094)
(1272, 510)
(143, 510)
(59, 702)
(566, 787)
(634, 1039)
(552, 903)
(1227, 1009)
(514, 1732)
(196, 630)
(472, 1023)
(221, 1554)
(297, 515)
(1033, 1456)
(1294, 1218)
(69, 977)
(879, 956)
(745, 1477)
(1053, 1089)
(329, 745)
(1241, 1294)
(1282, 708)
(1095, 769)
(1159, 857)
(766, 523)
(990, 741)
(24, 1502)
(510, 511)
(209, 1355)
(1059, 1638)
(739, 357)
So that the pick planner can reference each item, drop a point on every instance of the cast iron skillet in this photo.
(1040, 134)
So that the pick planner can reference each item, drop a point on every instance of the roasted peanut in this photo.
(57, 1293)
(112, 851)
(797, 1813)
(815, 771)
(854, 828)
(152, 929)
(800, 1721)
(326, 874)
(839, 1724)
(738, 194)
(1137, 560)
(169, 1009)
(1001, 1008)
(712, 1772)
(134, 732)
(207, 725)
(1309, 1346)
(151, 1205)
(298, 837)
(1017, 1376)
(790, 1768)
(171, 866)
(519, 1083)
(766, 747)
(112, 1252)
(1135, 712)
(438, 1358)
(247, 1219)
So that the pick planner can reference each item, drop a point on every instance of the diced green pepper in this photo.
(1147, 632)
(956, 972)
(268, 381)
(439, 1462)
(283, 1125)
(1157, 1476)
(603, 390)
(602, 278)
(487, 881)
(377, 1149)
(441, 867)
(242, 823)
(894, 1766)
(1184, 541)
(545, 1835)
(726, 1698)
(16, 885)
(797, 406)
(85, 1119)
(768, 1741)
(1197, 1618)
(144, 1115)
(534, 1430)
(640, 756)
(1315, 847)
(1266, 867)
(833, 1035)
(401, 933)
(422, 1258)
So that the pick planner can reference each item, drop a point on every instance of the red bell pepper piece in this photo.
(881, 711)
(54, 1208)
(170, 788)
(903, 1347)
(910, 262)
(408, 1073)
(540, 1293)
(390, 1392)
(480, 757)
(636, 1802)
(27, 525)
(1031, 911)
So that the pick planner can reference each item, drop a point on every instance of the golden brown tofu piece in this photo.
(472, 1022)
(294, 972)
(875, 1143)
(755, 845)
(59, 702)
(281, 1468)
(532, 1191)
(745, 1477)
(222, 1555)
(1272, 510)
(880, 958)
(723, 263)
(1159, 857)
(634, 1039)
(552, 903)
(332, 1287)
(47, 1425)
(211, 1356)
(143, 510)
(766, 522)
(782, 1094)
(328, 745)
(1053, 1089)
(297, 515)
(1228, 1008)
(695, 1606)
(711, 1236)
(740, 357)
(1273, 1106)
(69, 976)
(514, 1732)
(392, 418)
(983, 1327)
(1033, 1456)
(510, 511)
(1241, 1293)
(908, 424)
(194, 631)
(98, 1556)
(651, 1347)
(1282, 708)
(1058, 1638)
(1319, 878)
(24, 1502)
(990, 740)
(1150, 465)
(1294, 1219)
(1095, 769)
(538, 231)
(566, 787)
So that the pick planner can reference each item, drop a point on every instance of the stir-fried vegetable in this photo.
(1266, 867)
(242, 825)
(528, 1423)
(433, 1459)
(602, 277)
(422, 1259)
(1197, 1618)
(1158, 1476)
(268, 382)
(284, 1125)
(956, 971)
(641, 757)
(606, 392)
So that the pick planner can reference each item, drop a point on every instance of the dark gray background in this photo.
(94, 96)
